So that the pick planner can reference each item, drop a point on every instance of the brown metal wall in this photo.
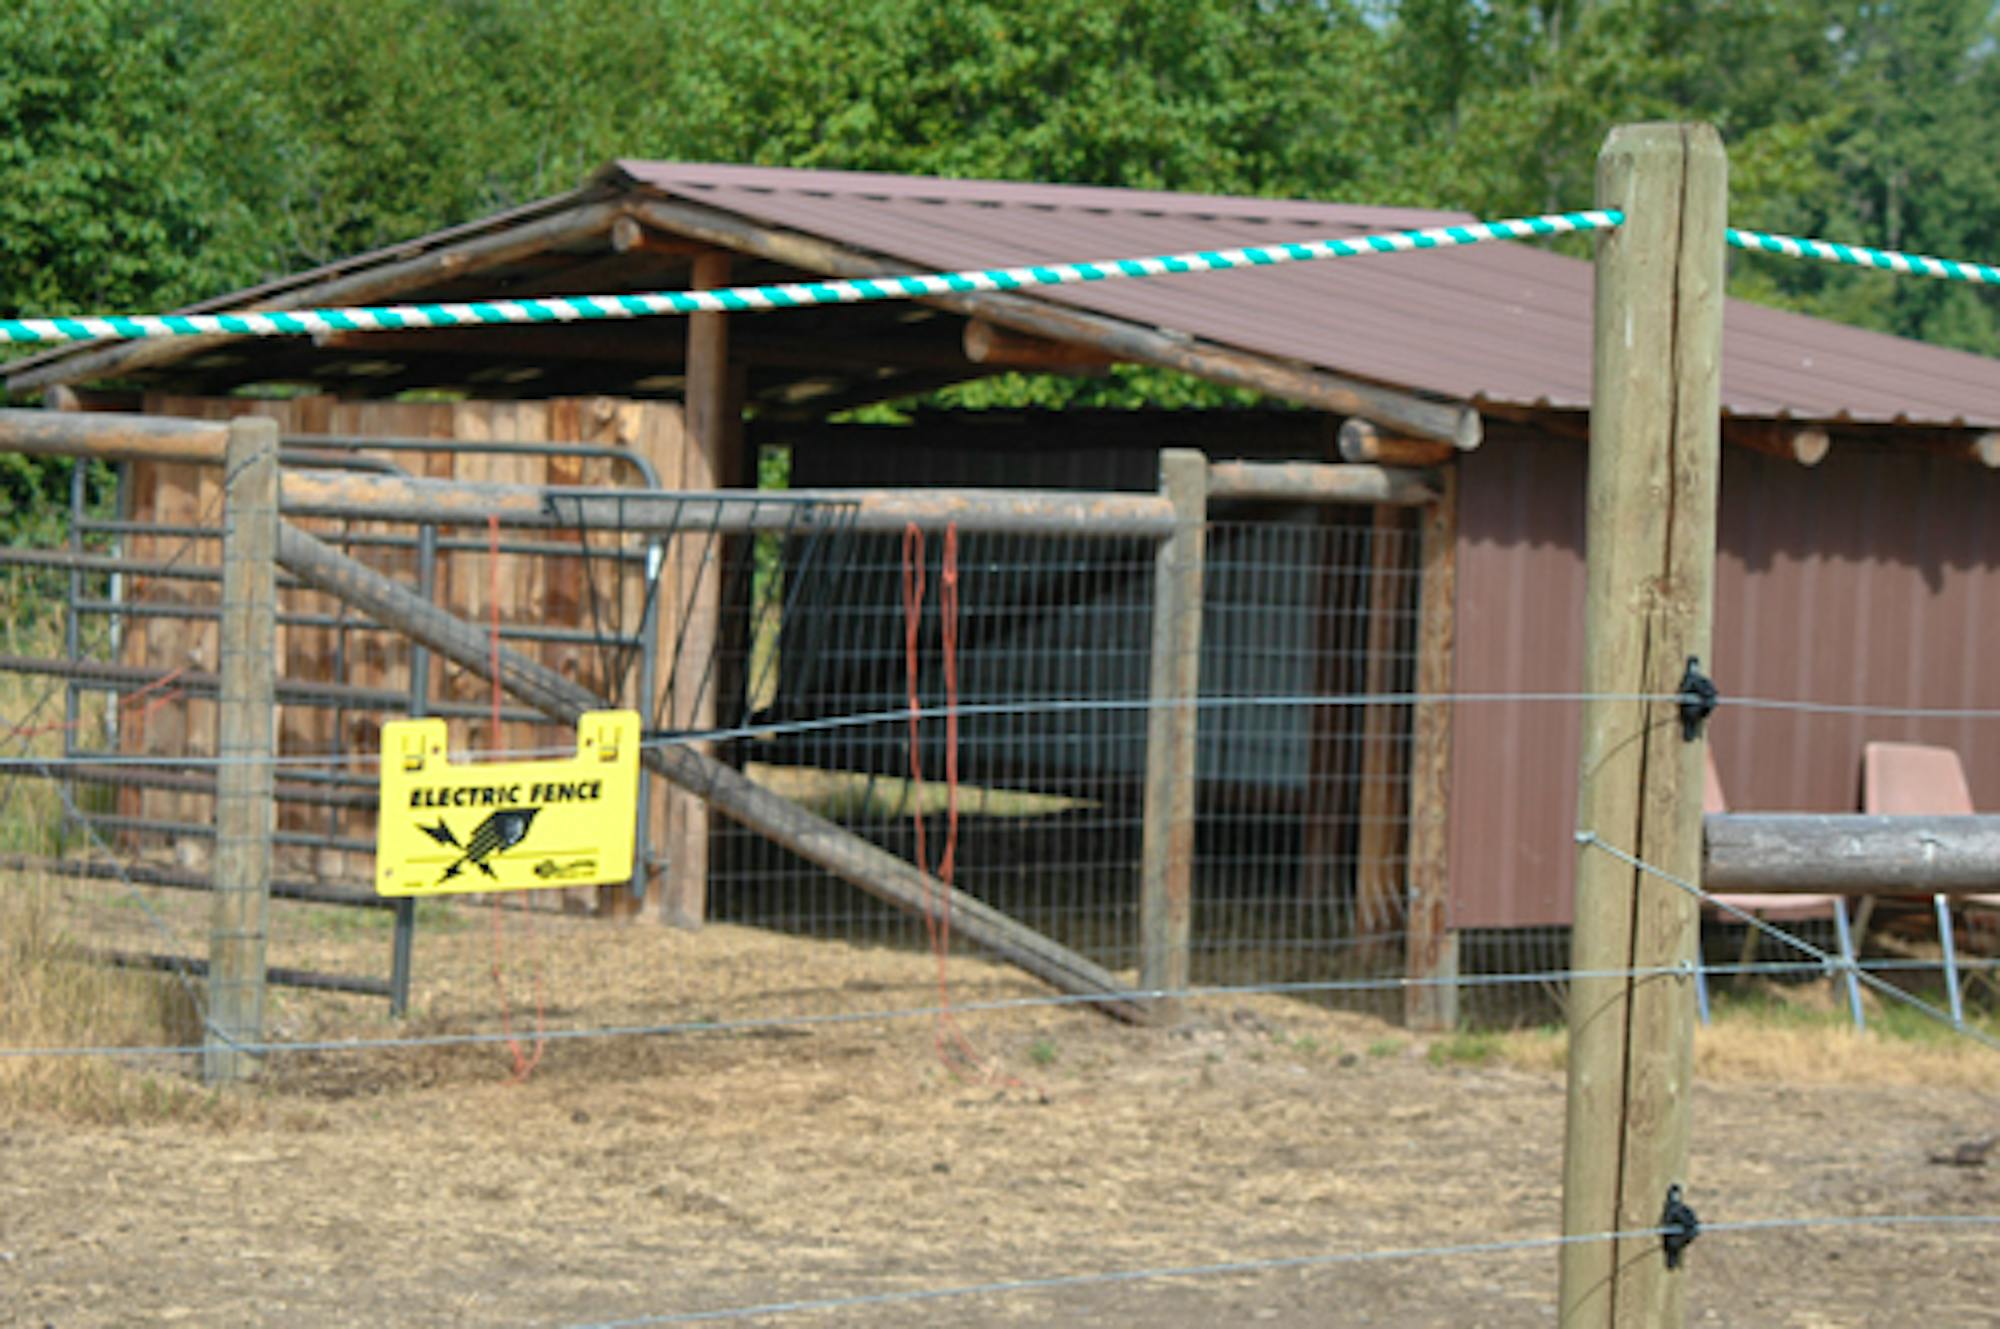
(1870, 580)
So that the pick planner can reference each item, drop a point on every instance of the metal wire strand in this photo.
(757, 1024)
(1832, 963)
(1459, 1250)
(1049, 705)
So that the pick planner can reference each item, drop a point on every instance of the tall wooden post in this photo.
(714, 435)
(1430, 946)
(243, 748)
(1650, 540)
(1167, 869)
(1379, 900)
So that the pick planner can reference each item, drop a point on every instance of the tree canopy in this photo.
(152, 151)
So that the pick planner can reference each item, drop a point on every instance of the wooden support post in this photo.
(1430, 947)
(1167, 871)
(244, 747)
(1650, 538)
(714, 432)
(1378, 875)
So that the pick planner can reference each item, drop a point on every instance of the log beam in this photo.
(1316, 482)
(1806, 445)
(1361, 441)
(988, 343)
(1847, 854)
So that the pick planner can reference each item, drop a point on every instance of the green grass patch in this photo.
(1468, 1048)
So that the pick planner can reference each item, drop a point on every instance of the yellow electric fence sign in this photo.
(506, 826)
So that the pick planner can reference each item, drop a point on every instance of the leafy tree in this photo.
(103, 206)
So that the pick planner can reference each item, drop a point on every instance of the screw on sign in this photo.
(503, 826)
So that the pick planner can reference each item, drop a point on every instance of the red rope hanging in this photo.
(937, 914)
(524, 1063)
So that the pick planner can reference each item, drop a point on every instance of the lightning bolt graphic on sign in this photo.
(500, 831)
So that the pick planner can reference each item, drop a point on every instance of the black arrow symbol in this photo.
(442, 834)
(500, 831)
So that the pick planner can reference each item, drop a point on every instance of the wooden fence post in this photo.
(243, 748)
(713, 446)
(1167, 870)
(1430, 946)
(1650, 539)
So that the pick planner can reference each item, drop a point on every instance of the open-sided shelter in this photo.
(1858, 565)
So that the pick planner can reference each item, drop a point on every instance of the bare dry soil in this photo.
(640, 1177)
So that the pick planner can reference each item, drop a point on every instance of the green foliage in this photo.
(1466, 1048)
(155, 151)
(105, 203)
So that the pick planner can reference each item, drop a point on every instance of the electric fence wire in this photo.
(1831, 962)
(864, 719)
(884, 1015)
(1280, 1263)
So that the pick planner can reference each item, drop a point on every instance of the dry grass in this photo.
(1800, 1037)
(52, 996)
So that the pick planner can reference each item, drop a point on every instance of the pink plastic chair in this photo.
(1774, 908)
(1918, 780)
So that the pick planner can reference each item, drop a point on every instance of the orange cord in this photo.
(524, 1064)
(937, 917)
(124, 703)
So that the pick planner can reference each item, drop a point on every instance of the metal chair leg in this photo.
(1943, 907)
(1845, 934)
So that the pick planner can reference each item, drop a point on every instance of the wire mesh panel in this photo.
(1048, 672)
(1301, 804)
(1300, 852)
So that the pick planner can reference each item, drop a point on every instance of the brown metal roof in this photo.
(1497, 324)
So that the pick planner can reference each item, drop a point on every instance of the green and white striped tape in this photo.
(580, 308)
(1860, 256)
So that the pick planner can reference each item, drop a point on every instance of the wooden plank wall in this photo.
(582, 592)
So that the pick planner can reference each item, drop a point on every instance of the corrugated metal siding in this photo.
(1520, 629)
(1871, 580)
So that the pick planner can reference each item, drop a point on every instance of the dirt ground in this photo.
(634, 1178)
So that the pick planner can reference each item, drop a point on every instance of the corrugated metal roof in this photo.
(1497, 323)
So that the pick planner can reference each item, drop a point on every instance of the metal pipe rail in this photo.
(187, 830)
(317, 789)
(64, 560)
(203, 683)
(146, 874)
(1849, 854)
(508, 631)
(276, 975)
